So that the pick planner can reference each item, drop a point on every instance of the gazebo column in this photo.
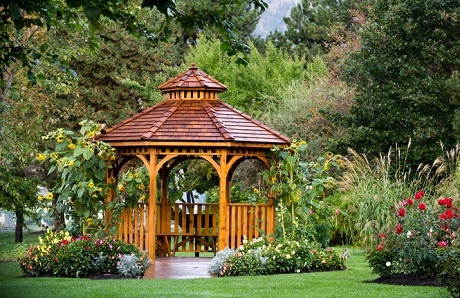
(152, 221)
(223, 199)
(111, 179)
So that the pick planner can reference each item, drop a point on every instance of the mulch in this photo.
(405, 280)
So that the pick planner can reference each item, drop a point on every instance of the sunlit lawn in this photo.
(354, 282)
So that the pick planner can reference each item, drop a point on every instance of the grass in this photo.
(353, 282)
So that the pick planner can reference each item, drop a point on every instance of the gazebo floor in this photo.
(178, 267)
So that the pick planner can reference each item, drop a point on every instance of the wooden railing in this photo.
(247, 220)
(182, 227)
(133, 226)
(186, 227)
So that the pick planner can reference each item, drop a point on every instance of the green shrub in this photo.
(60, 254)
(259, 257)
(425, 236)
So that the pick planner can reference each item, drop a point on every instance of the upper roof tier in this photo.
(192, 80)
(193, 114)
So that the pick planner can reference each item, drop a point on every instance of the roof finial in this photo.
(193, 66)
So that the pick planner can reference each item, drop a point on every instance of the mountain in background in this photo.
(272, 18)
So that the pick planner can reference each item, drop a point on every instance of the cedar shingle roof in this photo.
(193, 119)
(192, 78)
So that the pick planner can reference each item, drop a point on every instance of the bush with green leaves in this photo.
(258, 257)
(424, 237)
(299, 187)
(60, 254)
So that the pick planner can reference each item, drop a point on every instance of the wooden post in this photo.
(223, 185)
(151, 218)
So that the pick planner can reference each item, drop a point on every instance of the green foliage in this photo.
(131, 266)
(299, 187)
(133, 186)
(371, 189)
(62, 255)
(422, 241)
(20, 14)
(257, 257)
(80, 163)
(310, 24)
(409, 50)
(310, 109)
(263, 76)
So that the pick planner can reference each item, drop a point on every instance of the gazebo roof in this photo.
(192, 113)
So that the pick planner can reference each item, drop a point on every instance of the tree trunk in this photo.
(59, 221)
(19, 224)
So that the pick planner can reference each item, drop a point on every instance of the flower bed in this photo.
(258, 257)
(423, 244)
(60, 254)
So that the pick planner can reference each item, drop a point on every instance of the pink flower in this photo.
(337, 211)
(399, 228)
(402, 212)
(422, 206)
(410, 201)
(380, 247)
(419, 195)
(442, 244)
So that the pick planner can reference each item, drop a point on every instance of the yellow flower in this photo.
(71, 146)
(256, 191)
(142, 198)
(71, 163)
(49, 196)
(91, 185)
(141, 186)
(40, 198)
(41, 157)
(89, 221)
(54, 155)
(121, 187)
(130, 176)
(59, 138)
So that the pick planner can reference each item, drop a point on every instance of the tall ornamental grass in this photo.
(373, 187)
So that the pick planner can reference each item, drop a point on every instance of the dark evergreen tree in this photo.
(310, 24)
(410, 48)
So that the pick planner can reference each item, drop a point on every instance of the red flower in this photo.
(443, 216)
(445, 202)
(419, 195)
(381, 235)
(422, 206)
(442, 244)
(402, 212)
(410, 201)
(65, 242)
(399, 228)
(449, 213)
(380, 247)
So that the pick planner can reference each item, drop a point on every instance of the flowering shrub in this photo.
(424, 237)
(60, 254)
(259, 257)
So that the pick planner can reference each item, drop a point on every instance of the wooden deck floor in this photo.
(179, 267)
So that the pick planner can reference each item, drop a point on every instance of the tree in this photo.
(310, 26)
(19, 16)
(409, 50)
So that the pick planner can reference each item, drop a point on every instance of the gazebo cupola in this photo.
(192, 85)
(191, 123)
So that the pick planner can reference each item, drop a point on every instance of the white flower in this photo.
(409, 233)
(298, 270)
(388, 264)
(288, 256)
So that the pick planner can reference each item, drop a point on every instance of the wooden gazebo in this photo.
(191, 123)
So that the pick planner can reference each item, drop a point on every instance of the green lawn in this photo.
(353, 282)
